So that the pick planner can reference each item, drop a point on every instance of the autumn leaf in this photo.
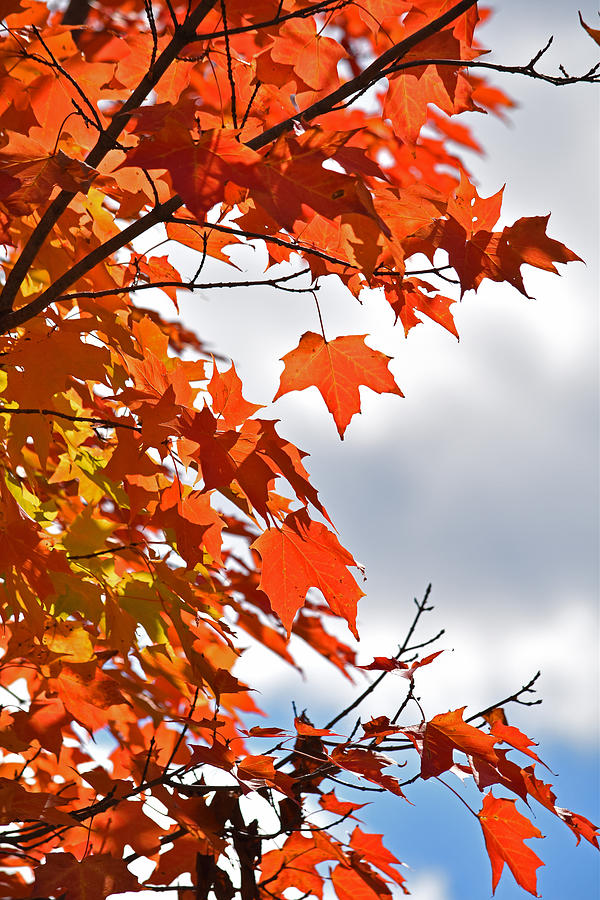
(88, 694)
(302, 554)
(259, 771)
(228, 404)
(407, 670)
(437, 740)
(315, 57)
(94, 878)
(543, 793)
(579, 825)
(367, 763)
(504, 830)
(199, 169)
(594, 33)
(511, 735)
(372, 849)
(330, 803)
(17, 803)
(337, 368)
(408, 297)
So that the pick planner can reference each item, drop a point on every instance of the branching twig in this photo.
(592, 76)
(421, 608)
(514, 698)
(192, 285)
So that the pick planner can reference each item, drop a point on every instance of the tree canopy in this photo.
(155, 522)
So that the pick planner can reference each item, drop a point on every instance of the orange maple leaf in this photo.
(437, 740)
(504, 830)
(337, 368)
(303, 554)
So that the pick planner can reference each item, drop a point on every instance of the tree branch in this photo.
(183, 35)
(514, 698)
(104, 423)
(17, 317)
(274, 282)
(368, 76)
(592, 76)
(105, 142)
(421, 608)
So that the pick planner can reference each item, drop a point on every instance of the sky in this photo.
(483, 480)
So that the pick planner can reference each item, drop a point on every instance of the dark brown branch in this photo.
(432, 640)
(106, 141)
(294, 246)
(514, 698)
(103, 423)
(302, 13)
(190, 286)
(159, 214)
(181, 734)
(421, 608)
(118, 548)
(55, 64)
(368, 76)
(592, 76)
(229, 65)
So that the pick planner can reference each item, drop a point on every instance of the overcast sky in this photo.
(484, 479)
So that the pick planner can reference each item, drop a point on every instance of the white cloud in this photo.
(429, 885)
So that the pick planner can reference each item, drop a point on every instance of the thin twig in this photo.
(229, 64)
(421, 608)
(592, 76)
(514, 698)
(104, 423)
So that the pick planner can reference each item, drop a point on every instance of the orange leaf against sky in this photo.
(228, 403)
(408, 297)
(579, 825)
(294, 866)
(511, 735)
(365, 762)
(594, 33)
(543, 793)
(337, 368)
(437, 740)
(504, 830)
(372, 849)
(302, 554)
(359, 883)
(390, 664)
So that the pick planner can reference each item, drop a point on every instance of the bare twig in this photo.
(421, 608)
(513, 698)
(592, 76)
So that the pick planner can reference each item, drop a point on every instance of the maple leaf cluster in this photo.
(154, 524)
